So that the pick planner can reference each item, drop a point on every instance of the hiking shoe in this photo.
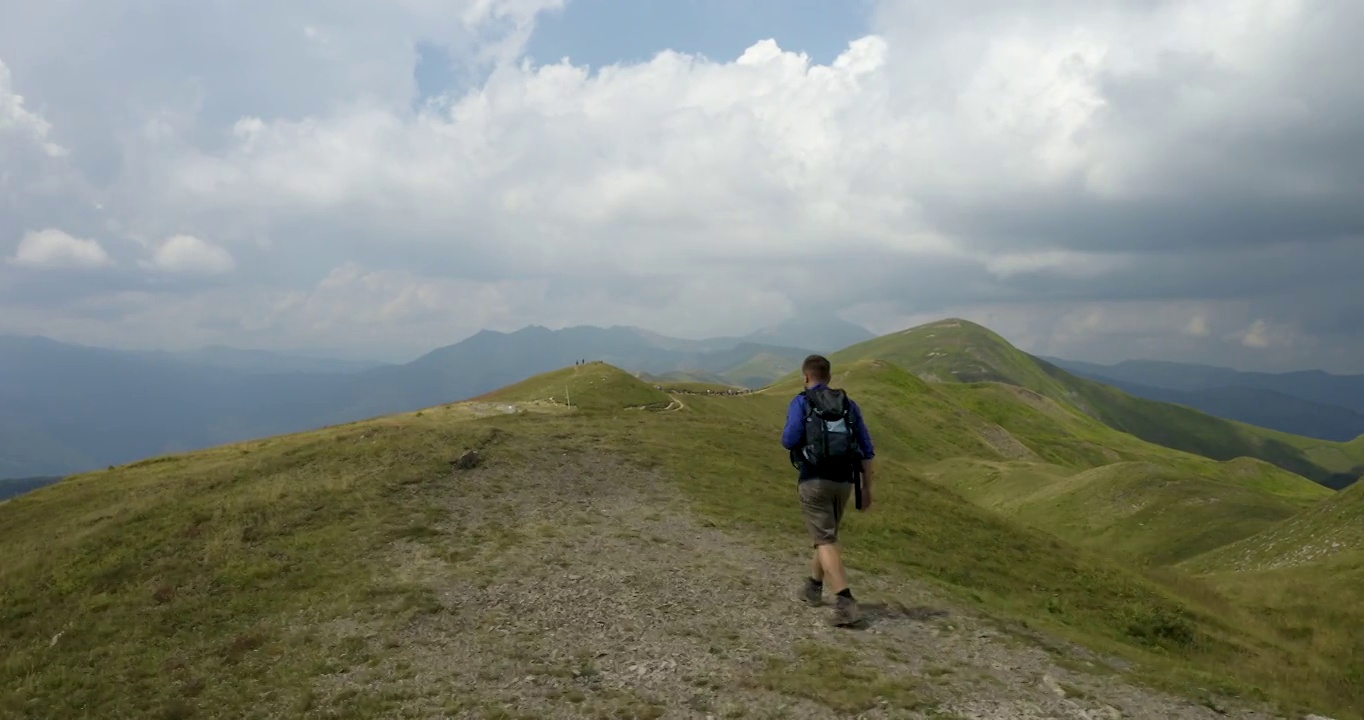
(846, 612)
(813, 594)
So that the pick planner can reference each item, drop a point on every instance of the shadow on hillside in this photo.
(874, 612)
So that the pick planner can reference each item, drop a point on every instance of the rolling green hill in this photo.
(1057, 469)
(1332, 527)
(1157, 513)
(593, 386)
(1305, 572)
(336, 573)
(960, 351)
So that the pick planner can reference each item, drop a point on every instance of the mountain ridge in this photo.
(183, 405)
(1318, 386)
(960, 351)
(68, 408)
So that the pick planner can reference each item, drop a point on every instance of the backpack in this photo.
(830, 440)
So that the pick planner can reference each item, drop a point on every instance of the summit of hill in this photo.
(959, 351)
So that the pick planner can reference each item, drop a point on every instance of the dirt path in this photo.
(583, 589)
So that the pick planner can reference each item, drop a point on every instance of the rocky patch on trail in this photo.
(580, 587)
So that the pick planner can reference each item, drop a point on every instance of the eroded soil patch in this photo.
(578, 586)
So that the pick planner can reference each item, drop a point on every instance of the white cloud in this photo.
(18, 120)
(1256, 336)
(189, 254)
(1197, 327)
(981, 156)
(1061, 262)
(52, 248)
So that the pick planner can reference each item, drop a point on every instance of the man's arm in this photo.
(863, 435)
(794, 431)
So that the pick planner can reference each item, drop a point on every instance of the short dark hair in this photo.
(818, 367)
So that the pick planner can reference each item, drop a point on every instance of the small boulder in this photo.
(1051, 684)
(468, 460)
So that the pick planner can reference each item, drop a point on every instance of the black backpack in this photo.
(830, 439)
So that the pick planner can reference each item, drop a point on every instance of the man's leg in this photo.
(829, 558)
(823, 503)
(815, 511)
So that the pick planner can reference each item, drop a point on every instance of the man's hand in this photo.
(866, 498)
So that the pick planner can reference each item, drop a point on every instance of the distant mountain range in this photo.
(67, 408)
(19, 486)
(1311, 403)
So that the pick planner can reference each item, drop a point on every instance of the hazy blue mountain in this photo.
(66, 408)
(1345, 391)
(1265, 408)
(18, 486)
(77, 407)
(825, 335)
(1289, 402)
(263, 361)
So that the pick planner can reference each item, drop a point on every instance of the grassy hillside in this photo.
(956, 350)
(960, 351)
(1018, 452)
(593, 386)
(310, 573)
(1329, 528)
(1306, 574)
(1149, 512)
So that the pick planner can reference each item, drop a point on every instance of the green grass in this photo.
(1334, 526)
(1317, 606)
(1142, 511)
(695, 387)
(594, 386)
(1179, 628)
(234, 578)
(954, 350)
(197, 580)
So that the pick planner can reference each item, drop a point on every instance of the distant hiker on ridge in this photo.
(831, 447)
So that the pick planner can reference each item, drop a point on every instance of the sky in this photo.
(1093, 180)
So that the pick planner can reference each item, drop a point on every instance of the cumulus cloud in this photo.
(1197, 327)
(1087, 161)
(53, 248)
(189, 254)
(1256, 336)
(18, 123)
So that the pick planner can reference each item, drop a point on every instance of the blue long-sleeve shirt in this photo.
(794, 433)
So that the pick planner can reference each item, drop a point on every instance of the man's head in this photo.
(816, 370)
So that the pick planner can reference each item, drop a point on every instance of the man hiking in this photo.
(830, 446)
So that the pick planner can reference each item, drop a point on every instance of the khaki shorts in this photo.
(822, 503)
